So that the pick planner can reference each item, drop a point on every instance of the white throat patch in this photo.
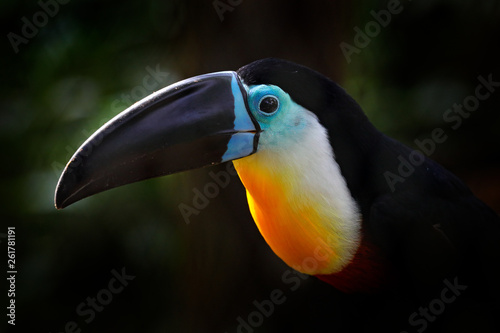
(315, 202)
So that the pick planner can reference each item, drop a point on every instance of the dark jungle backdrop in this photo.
(69, 66)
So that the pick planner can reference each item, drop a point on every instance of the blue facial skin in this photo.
(282, 125)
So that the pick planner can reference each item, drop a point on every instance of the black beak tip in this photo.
(60, 199)
(59, 202)
(67, 191)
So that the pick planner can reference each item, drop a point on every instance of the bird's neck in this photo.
(302, 206)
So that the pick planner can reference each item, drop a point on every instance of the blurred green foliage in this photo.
(89, 61)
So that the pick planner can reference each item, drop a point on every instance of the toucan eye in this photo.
(269, 104)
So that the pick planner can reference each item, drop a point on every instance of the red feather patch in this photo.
(368, 272)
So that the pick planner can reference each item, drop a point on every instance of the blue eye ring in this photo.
(268, 105)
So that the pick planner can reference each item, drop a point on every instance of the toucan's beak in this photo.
(197, 122)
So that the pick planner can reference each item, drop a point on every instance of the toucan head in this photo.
(268, 106)
(297, 140)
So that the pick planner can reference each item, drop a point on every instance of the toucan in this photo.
(332, 196)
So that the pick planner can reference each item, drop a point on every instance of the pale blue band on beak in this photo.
(240, 144)
(242, 121)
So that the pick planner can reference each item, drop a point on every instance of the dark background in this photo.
(75, 73)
